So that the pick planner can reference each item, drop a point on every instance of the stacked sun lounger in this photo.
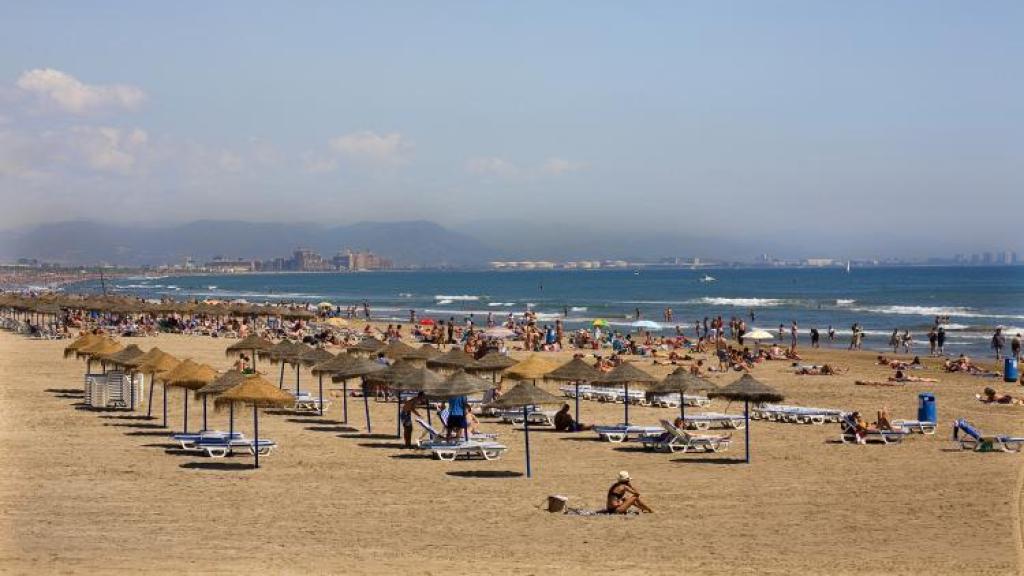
(796, 414)
(618, 433)
(672, 400)
(706, 420)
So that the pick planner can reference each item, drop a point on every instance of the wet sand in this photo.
(105, 492)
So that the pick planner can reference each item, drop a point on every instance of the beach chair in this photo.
(675, 440)
(619, 433)
(707, 420)
(431, 435)
(188, 441)
(538, 419)
(849, 434)
(222, 446)
(919, 426)
(970, 438)
(306, 402)
(468, 449)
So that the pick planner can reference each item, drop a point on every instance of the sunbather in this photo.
(565, 423)
(990, 396)
(622, 496)
(902, 377)
(408, 409)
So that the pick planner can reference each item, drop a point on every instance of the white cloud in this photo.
(313, 164)
(107, 149)
(555, 166)
(491, 166)
(382, 148)
(76, 97)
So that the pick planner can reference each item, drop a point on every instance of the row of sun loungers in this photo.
(217, 444)
(796, 414)
(639, 397)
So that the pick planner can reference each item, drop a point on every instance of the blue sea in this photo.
(976, 300)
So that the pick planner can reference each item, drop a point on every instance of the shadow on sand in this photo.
(368, 436)
(706, 460)
(331, 429)
(221, 466)
(484, 474)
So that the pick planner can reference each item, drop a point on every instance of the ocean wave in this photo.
(444, 301)
(844, 301)
(578, 309)
(956, 311)
(742, 302)
(505, 304)
(462, 297)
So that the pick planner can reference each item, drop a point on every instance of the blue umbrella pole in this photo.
(682, 407)
(526, 436)
(280, 379)
(149, 403)
(578, 407)
(398, 413)
(204, 412)
(185, 390)
(746, 428)
(298, 377)
(344, 401)
(164, 388)
(231, 420)
(626, 403)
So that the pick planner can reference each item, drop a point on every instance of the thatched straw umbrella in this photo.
(524, 395)
(251, 343)
(576, 371)
(222, 384)
(82, 341)
(396, 350)
(626, 374)
(423, 353)
(259, 393)
(330, 367)
(154, 362)
(492, 363)
(367, 347)
(419, 379)
(359, 368)
(286, 352)
(98, 351)
(315, 357)
(534, 368)
(451, 360)
(682, 381)
(748, 389)
(190, 376)
(456, 387)
(389, 377)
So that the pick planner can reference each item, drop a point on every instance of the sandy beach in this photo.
(105, 492)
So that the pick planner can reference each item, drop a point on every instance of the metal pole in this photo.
(256, 434)
(231, 420)
(682, 406)
(149, 403)
(526, 436)
(626, 403)
(366, 404)
(746, 428)
(185, 390)
(578, 425)
(344, 401)
(280, 380)
(321, 385)
(398, 412)
(298, 371)
(204, 412)
(131, 389)
(164, 388)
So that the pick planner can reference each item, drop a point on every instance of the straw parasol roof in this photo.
(368, 346)
(682, 381)
(525, 394)
(454, 358)
(99, 349)
(748, 389)
(419, 379)
(125, 355)
(576, 370)
(397, 350)
(335, 364)
(533, 368)
(316, 356)
(460, 383)
(189, 374)
(287, 351)
(223, 383)
(156, 361)
(492, 362)
(358, 367)
(424, 352)
(250, 343)
(82, 341)
(256, 391)
(626, 373)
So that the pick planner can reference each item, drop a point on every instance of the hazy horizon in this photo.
(885, 129)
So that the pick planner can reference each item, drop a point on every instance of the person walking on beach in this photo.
(894, 340)
(831, 335)
(451, 330)
(793, 332)
(366, 310)
(408, 410)
(1015, 347)
(940, 340)
(622, 496)
(908, 341)
(782, 331)
(998, 342)
(637, 313)
(815, 338)
(933, 336)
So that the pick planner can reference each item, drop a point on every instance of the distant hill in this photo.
(88, 242)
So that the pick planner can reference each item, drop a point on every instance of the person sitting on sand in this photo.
(622, 496)
(990, 396)
(564, 422)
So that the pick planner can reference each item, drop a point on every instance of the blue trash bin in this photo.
(1010, 371)
(926, 411)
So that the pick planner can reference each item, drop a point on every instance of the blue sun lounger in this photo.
(219, 447)
(970, 438)
(620, 432)
(188, 441)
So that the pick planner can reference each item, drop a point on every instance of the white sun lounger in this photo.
(676, 440)
(188, 441)
(220, 447)
(707, 420)
(537, 419)
(849, 434)
(449, 451)
(620, 432)
(306, 402)
(919, 426)
(796, 414)
(431, 435)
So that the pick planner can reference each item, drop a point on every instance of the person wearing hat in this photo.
(622, 496)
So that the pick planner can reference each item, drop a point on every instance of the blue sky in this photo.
(868, 123)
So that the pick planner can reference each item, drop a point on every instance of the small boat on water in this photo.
(708, 278)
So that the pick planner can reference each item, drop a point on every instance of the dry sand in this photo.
(102, 492)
